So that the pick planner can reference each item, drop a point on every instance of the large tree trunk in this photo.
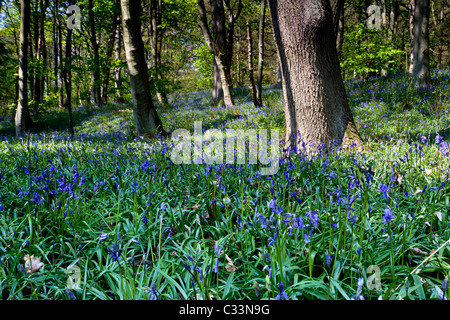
(316, 106)
(421, 67)
(262, 18)
(96, 81)
(22, 104)
(147, 120)
(217, 91)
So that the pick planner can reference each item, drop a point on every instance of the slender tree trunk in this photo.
(68, 80)
(278, 84)
(156, 37)
(421, 67)
(441, 33)
(217, 46)
(109, 51)
(145, 115)
(55, 45)
(96, 81)
(316, 105)
(22, 104)
(117, 70)
(250, 66)
(411, 32)
(262, 18)
(337, 7)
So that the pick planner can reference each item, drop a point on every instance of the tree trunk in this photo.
(117, 51)
(250, 66)
(109, 51)
(421, 67)
(337, 7)
(316, 105)
(219, 35)
(278, 84)
(96, 81)
(441, 35)
(55, 45)
(156, 36)
(259, 78)
(217, 92)
(146, 118)
(22, 104)
(220, 43)
(68, 80)
(411, 33)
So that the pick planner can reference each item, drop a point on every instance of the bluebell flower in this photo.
(145, 220)
(329, 257)
(359, 290)
(282, 292)
(71, 295)
(438, 139)
(217, 250)
(440, 293)
(388, 216)
(114, 253)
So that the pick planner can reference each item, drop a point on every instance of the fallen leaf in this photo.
(230, 267)
(32, 264)
(417, 250)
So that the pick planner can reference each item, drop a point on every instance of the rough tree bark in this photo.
(146, 118)
(421, 65)
(316, 105)
(22, 104)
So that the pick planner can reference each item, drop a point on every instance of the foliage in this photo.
(368, 51)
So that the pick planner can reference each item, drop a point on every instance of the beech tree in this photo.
(316, 105)
(22, 104)
(146, 118)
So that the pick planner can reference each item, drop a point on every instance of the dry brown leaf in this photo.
(32, 264)
(230, 267)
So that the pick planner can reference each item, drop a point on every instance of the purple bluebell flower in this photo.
(114, 253)
(71, 294)
(388, 216)
(282, 292)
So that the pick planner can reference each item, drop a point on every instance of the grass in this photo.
(138, 226)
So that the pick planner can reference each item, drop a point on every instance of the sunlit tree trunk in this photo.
(22, 104)
(146, 118)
